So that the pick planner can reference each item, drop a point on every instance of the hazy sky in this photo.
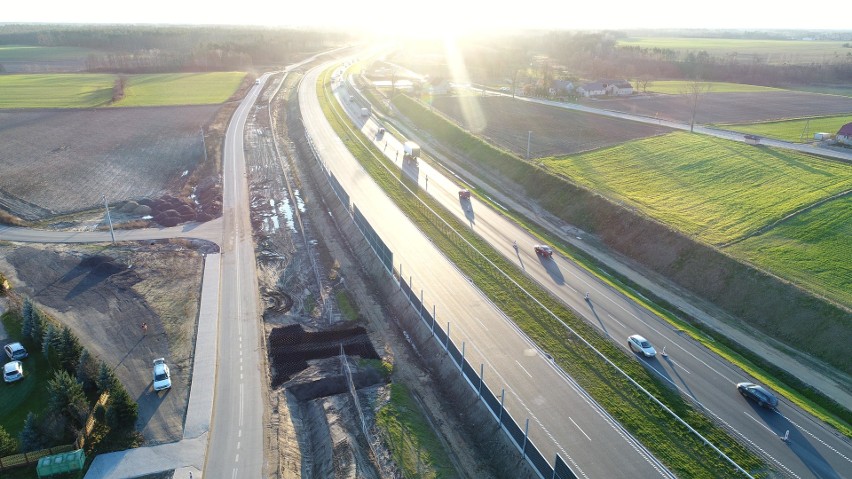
(443, 15)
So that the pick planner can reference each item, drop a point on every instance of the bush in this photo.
(8, 444)
(122, 411)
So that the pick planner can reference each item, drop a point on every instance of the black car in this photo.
(759, 394)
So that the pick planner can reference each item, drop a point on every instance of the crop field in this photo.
(770, 51)
(813, 249)
(507, 123)
(69, 90)
(714, 189)
(797, 131)
(34, 59)
(60, 161)
(672, 87)
(180, 89)
(742, 107)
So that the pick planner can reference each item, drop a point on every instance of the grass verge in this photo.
(800, 130)
(415, 448)
(180, 89)
(667, 438)
(30, 393)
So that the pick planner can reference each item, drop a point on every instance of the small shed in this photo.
(61, 463)
(844, 135)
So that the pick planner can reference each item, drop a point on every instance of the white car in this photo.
(162, 378)
(640, 344)
(15, 351)
(13, 371)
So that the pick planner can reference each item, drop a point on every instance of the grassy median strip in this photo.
(667, 438)
(809, 399)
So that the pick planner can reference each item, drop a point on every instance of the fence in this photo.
(518, 436)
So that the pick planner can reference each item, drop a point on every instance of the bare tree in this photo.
(695, 90)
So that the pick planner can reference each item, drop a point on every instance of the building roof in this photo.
(593, 86)
(845, 130)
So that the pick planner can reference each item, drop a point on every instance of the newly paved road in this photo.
(813, 450)
(557, 408)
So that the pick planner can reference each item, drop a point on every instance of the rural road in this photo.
(813, 451)
(586, 436)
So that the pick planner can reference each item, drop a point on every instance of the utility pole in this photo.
(529, 138)
(109, 219)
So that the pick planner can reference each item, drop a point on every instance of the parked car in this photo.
(15, 351)
(543, 250)
(13, 371)
(162, 378)
(639, 344)
(759, 394)
(464, 194)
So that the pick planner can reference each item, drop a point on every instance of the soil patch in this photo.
(105, 294)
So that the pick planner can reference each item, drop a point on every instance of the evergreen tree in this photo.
(8, 444)
(27, 317)
(66, 397)
(85, 371)
(68, 349)
(39, 322)
(106, 378)
(122, 411)
(31, 437)
(48, 340)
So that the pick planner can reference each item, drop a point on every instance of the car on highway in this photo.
(15, 351)
(13, 371)
(639, 344)
(464, 194)
(758, 394)
(162, 378)
(543, 250)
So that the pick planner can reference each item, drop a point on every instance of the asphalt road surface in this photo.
(563, 418)
(812, 449)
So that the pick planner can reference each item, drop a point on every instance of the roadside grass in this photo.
(714, 189)
(809, 399)
(180, 89)
(30, 393)
(768, 51)
(813, 248)
(346, 306)
(793, 130)
(668, 439)
(67, 90)
(677, 87)
(414, 447)
(841, 90)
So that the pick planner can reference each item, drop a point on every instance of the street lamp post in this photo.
(529, 137)
(109, 219)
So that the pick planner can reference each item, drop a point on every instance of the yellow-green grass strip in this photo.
(711, 188)
(678, 87)
(66, 90)
(180, 89)
(799, 130)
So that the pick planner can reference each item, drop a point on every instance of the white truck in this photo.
(410, 151)
(365, 112)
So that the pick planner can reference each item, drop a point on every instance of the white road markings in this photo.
(523, 368)
(580, 428)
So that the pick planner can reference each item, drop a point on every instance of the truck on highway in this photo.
(365, 112)
(410, 151)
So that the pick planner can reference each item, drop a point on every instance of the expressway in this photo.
(563, 418)
(812, 449)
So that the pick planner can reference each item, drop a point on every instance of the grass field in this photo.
(771, 51)
(73, 90)
(814, 249)
(673, 87)
(67, 90)
(711, 188)
(180, 88)
(793, 130)
(29, 53)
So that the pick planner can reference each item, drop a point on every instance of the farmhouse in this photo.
(844, 135)
(606, 87)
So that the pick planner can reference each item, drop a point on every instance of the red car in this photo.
(464, 194)
(543, 250)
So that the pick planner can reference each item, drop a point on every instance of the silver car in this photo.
(639, 344)
(162, 378)
(13, 371)
(15, 351)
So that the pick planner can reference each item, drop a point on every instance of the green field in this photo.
(770, 51)
(29, 53)
(673, 87)
(67, 90)
(714, 189)
(180, 88)
(794, 130)
(72, 90)
(813, 249)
